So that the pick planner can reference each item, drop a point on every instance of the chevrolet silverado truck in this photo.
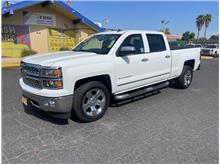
(107, 66)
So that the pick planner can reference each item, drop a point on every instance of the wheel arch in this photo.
(104, 79)
(190, 63)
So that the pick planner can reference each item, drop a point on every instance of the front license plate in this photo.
(24, 100)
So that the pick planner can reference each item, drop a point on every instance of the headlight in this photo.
(52, 72)
(52, 78)
(53, 84)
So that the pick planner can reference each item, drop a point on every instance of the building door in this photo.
(39, 38)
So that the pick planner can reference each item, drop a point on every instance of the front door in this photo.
(130, 68)
(39, 39)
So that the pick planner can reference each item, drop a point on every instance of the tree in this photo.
(207, 19)
(214, 38)
(166, 30)
(199, 24)
(7, 3)
(188, 36)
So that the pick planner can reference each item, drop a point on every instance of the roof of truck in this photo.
(131, 32)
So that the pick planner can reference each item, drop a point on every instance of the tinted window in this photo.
(135, 41)
(156, 42)
(211, 46)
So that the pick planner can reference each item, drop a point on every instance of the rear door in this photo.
(158, 66)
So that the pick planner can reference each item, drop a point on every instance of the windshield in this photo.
(211, 46)
(100, 44)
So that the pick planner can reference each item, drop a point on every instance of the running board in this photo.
(124, 96)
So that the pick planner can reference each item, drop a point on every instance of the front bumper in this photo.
(55, 105)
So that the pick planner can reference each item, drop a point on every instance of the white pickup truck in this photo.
(210, 50)
(107, 66)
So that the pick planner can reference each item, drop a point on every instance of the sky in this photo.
(148, 15)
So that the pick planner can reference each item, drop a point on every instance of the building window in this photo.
(60, 38)
(16, 34)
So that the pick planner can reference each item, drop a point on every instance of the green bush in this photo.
(27, 52)
(64, 49)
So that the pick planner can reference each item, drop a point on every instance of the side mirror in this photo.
(126, 50)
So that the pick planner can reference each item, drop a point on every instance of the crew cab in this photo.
(108, 66)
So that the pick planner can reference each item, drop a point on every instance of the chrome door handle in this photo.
(144, 59)
(167, 56)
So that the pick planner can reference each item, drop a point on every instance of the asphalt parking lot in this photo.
(173, 126)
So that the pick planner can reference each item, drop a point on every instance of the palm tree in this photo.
(199, 24)
(207, 19)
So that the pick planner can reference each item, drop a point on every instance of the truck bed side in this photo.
(180, 56)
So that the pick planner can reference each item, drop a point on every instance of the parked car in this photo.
(210, 50)
(189, 46)
(114, 65)
(198, 45)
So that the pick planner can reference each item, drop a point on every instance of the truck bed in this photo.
(180, 48)
(179, 55)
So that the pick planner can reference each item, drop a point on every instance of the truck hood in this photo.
(57, 58)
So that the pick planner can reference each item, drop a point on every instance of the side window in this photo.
(135, 41)
(156, 42)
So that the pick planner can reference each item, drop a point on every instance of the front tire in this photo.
(90, 101)
(185, 79)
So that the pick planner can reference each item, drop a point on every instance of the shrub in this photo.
(27, 52)
(64, 49)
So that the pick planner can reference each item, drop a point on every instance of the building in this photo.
(43, 26)
(172, 37)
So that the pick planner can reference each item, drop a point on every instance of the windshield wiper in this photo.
(81, 50)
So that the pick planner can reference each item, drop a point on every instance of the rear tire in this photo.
(90, 101)
(185, 79)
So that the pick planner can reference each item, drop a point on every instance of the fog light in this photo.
(51, 102)
(46, 104)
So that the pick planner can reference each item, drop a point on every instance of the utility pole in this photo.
(164, 22)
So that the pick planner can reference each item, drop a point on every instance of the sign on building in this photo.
(39, 19)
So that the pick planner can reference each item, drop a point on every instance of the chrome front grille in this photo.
(36, 83)
(31, 69)
(31, 75)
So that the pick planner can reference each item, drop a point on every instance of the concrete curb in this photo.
(206, 57)
(10, 62)
(9, 65)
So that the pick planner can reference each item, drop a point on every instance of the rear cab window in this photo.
(156, 42)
